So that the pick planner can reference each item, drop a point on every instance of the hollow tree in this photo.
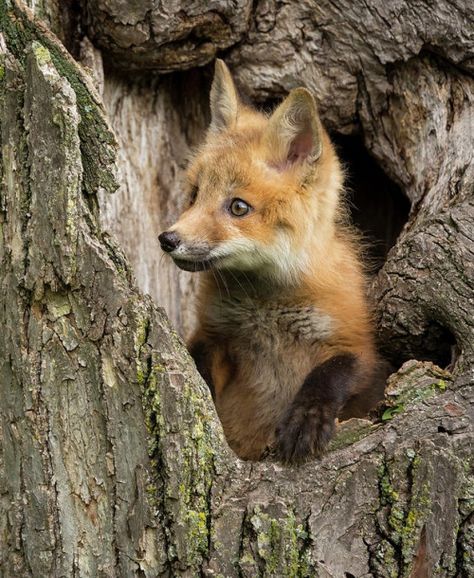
(112, 461)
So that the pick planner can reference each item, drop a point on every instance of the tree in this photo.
(113, 462)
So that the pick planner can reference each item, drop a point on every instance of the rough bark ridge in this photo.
(165, 36)
(112, 459)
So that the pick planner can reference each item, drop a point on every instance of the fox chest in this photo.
(264, 351)
(269, 326)
(270, 348)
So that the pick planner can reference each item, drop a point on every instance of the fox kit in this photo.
(285, 338)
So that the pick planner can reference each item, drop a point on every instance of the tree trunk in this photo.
(113, 462)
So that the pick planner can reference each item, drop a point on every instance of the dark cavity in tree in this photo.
(379, 209)
(436, 343)
(378, 206)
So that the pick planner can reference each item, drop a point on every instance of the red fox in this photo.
(285, 337)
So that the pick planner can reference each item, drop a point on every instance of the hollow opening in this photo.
(379, 209)
(438, 345)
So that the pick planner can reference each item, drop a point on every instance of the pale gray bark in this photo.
(112, 460)
(157, 123)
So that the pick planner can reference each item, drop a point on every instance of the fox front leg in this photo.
(307, 426)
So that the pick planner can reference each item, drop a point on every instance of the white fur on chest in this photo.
(269, 321)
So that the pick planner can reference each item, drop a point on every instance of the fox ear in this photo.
(294, 131)
(224, 98)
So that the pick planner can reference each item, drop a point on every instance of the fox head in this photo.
(263, 190)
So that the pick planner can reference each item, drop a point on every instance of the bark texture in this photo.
(112, 460)
(165, 36)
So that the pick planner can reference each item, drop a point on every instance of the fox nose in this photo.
(169, 241)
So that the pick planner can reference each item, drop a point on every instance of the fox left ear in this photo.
(294, 131)
(224, 98)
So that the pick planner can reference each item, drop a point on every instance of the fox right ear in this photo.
(224, 99)
(294, 132)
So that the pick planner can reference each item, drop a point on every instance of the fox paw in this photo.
(303, 434)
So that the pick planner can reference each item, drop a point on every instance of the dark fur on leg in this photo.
(307, 426)
(200, 352)
(368, 396)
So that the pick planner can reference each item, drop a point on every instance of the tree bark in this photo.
(113, 461)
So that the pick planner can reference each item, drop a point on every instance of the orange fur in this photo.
(286, 289)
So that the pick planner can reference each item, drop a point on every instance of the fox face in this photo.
(263, 191)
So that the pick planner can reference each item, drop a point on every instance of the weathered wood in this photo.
(112, 459)
(157, 124)
(425, 286)
(165, 36)
(72, 466)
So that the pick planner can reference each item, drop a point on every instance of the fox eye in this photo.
(239, 208)
(194, 194)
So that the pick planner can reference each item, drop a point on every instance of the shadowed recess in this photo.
(378, 206)
(379, 209)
